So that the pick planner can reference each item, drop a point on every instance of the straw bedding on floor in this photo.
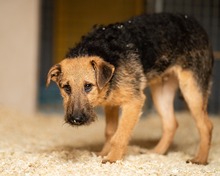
(42, 144)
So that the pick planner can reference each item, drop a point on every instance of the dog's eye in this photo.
(88, 87)
(67, 89)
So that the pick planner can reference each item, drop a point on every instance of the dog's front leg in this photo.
(131, 112)
(111, 115)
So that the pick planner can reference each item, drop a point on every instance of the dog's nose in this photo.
(78, 119)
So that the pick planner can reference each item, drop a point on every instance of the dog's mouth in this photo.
(79, 120)
(79, 117)
(75, 122)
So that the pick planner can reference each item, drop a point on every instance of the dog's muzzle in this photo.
(77, 119)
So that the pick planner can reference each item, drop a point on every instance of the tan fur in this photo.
(111, 115)
(76, 72)
(163, 93)
(198, 107)
(119, 141)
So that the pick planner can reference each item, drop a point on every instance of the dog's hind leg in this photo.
(163, 93)
(197, 99)
(111, 115)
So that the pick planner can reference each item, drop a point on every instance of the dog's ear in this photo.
(103, 72)
(53, 74)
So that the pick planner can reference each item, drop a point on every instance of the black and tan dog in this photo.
(113, 64)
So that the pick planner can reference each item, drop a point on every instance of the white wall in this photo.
(19, 34)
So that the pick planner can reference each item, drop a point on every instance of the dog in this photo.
(113, 64)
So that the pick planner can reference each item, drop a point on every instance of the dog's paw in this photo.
(105, 150)
(106, 160)
(98, 154)
(197, 161)
(103, 153)
(146, 151)
(111, 158)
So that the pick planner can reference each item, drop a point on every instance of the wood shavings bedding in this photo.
(43, 145)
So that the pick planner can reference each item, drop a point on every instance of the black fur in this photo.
(158, 41)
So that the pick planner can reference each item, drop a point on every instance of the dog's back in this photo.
(159, 41)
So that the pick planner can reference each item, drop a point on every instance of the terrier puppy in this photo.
(112, 65)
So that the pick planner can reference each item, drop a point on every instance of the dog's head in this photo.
(82, 82)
